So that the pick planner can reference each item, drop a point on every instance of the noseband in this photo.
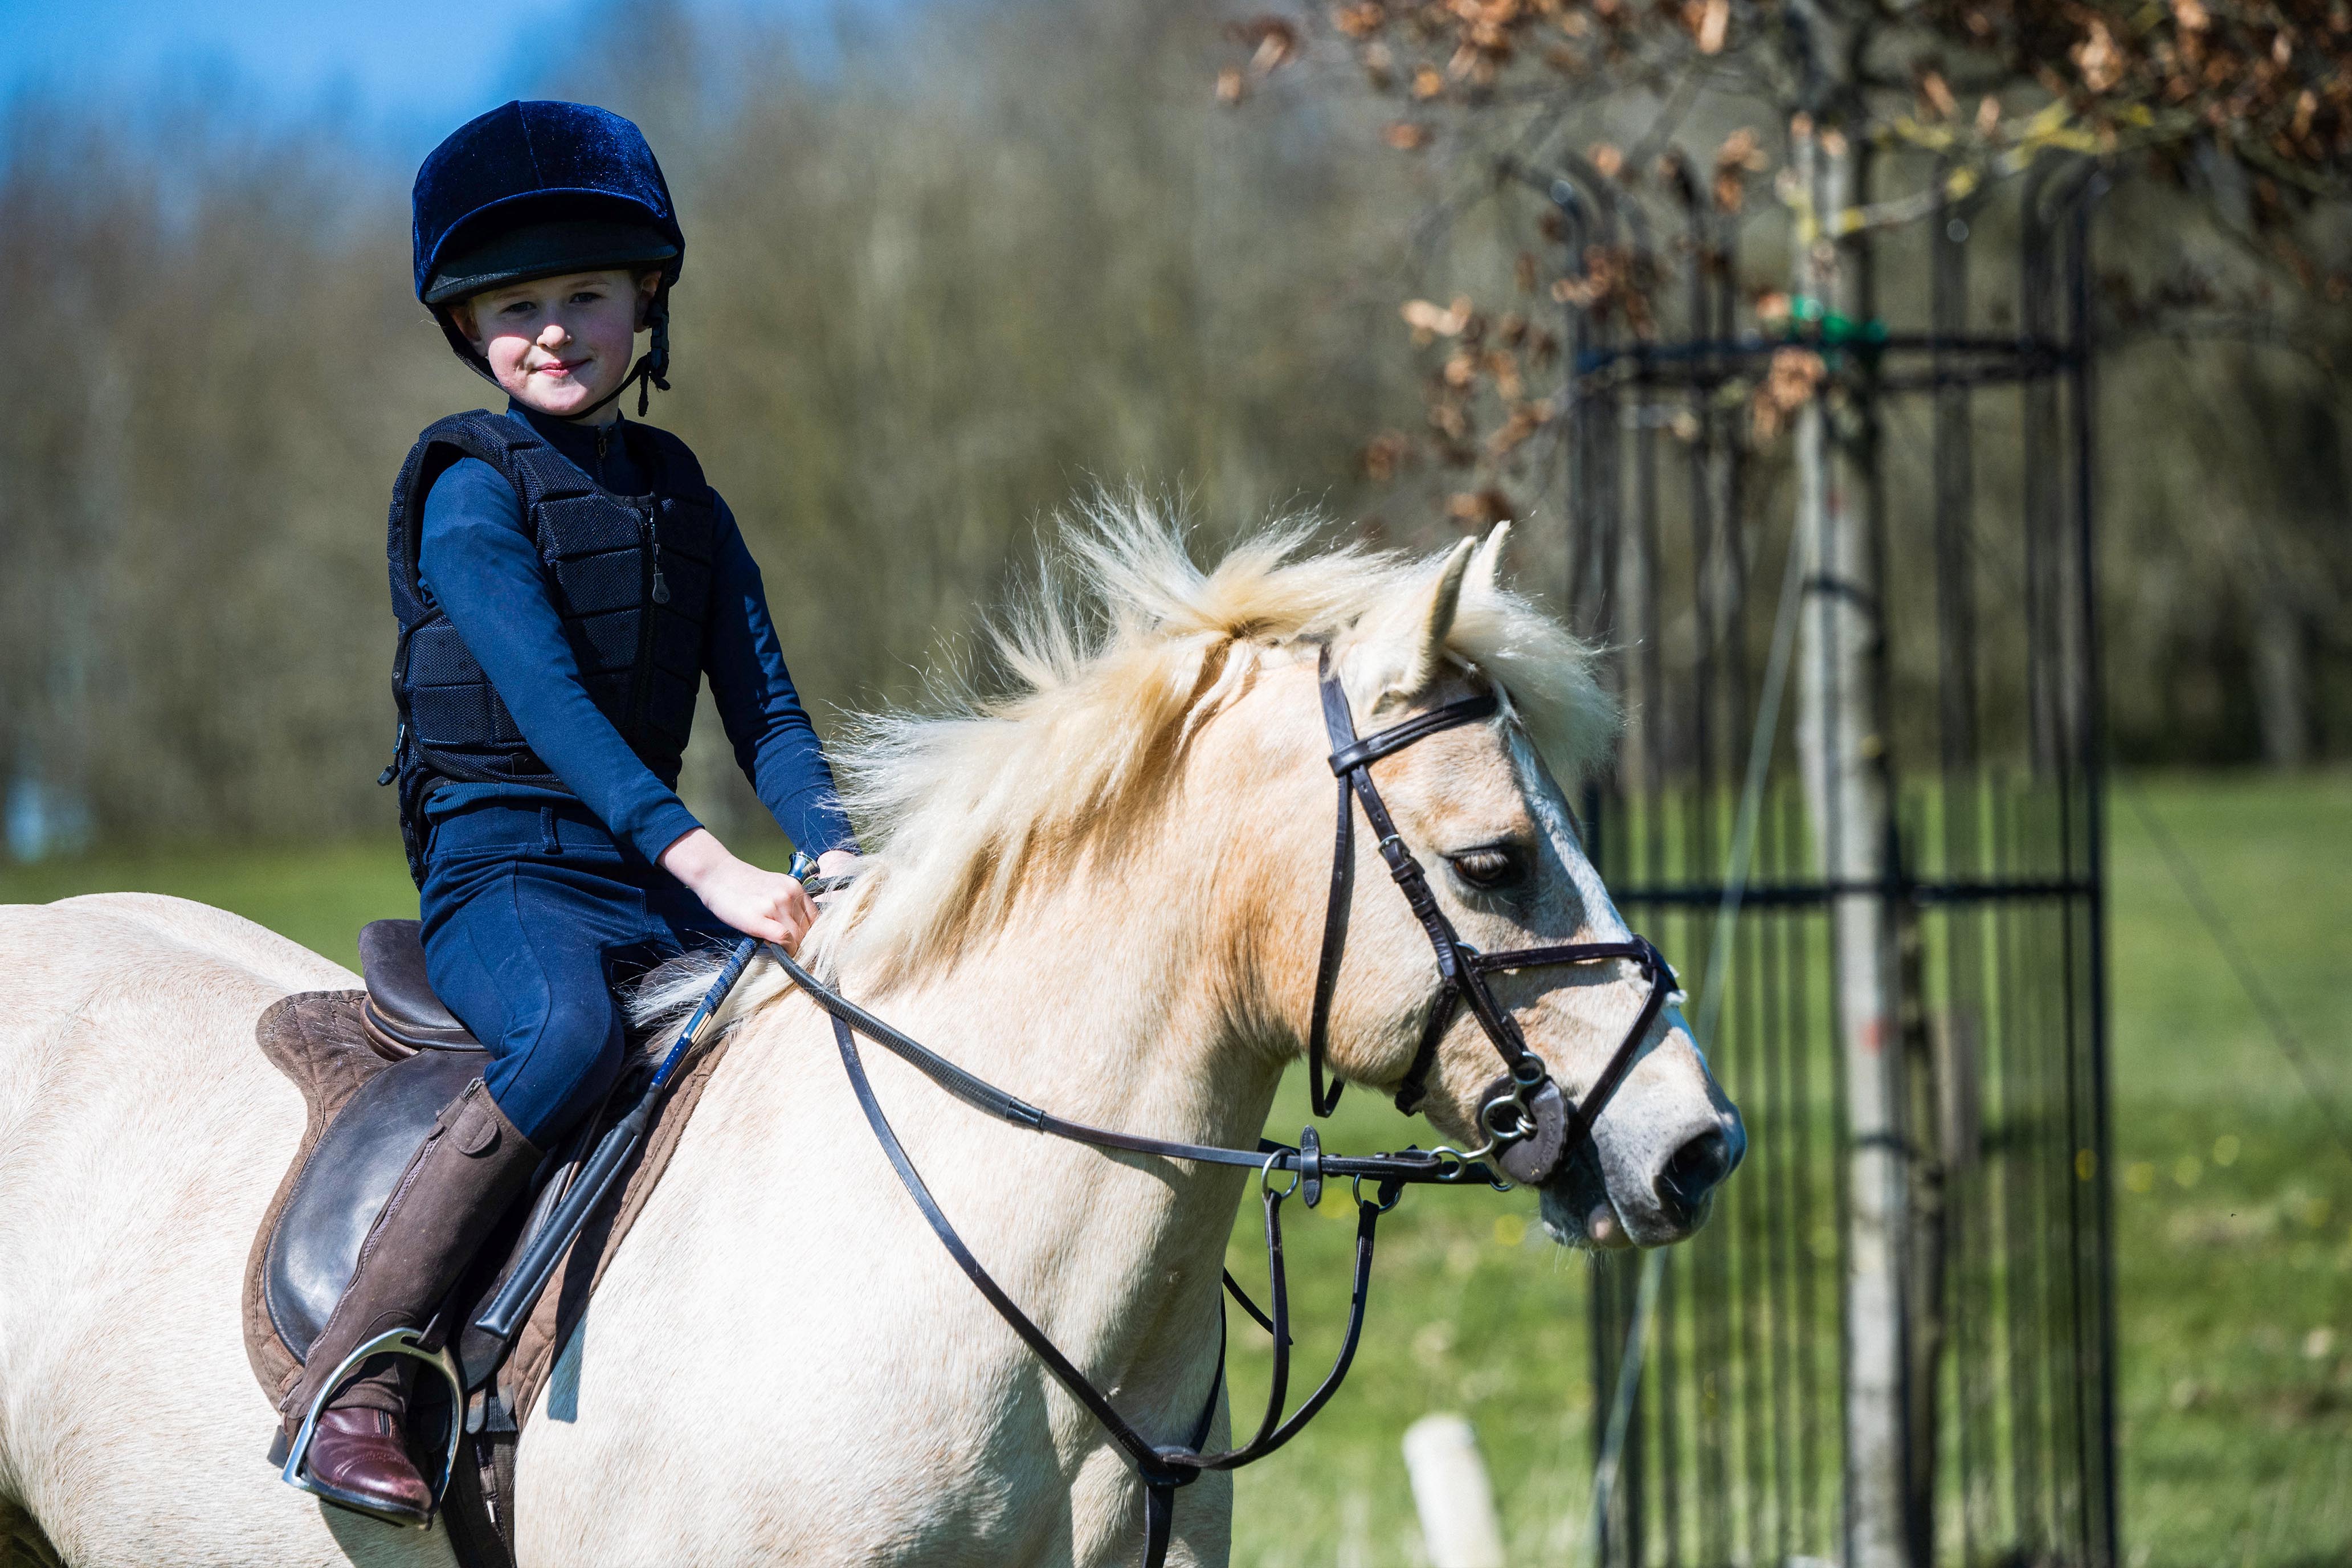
(1532, 1129)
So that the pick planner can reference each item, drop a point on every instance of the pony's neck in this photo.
(1112, 1001)
(1118, 1012)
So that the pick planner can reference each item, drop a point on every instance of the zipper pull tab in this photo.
(603, 435)
(399, 744)
(653, 537)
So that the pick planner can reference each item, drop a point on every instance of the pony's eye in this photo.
(1491, 867)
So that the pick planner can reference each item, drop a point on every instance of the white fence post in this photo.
(1451, 1493)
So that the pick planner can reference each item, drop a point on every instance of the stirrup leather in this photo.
(405, 1341)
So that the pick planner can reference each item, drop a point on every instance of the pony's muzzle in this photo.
(1692, 1172)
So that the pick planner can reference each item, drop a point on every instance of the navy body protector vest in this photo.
(630, 577)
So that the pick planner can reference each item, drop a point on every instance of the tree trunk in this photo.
(2282, 683)
(1843, 743)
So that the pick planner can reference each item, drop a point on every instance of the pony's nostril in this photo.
(1694, 1171)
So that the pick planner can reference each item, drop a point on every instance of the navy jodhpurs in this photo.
(530, 915)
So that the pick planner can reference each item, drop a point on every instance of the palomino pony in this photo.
(1103, 892)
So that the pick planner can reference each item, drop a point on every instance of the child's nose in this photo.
(552, 335)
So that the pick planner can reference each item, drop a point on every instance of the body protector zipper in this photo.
(657, 592)
(652, 538)
(660, 593)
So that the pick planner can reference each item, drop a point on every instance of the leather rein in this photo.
(1532, 1128)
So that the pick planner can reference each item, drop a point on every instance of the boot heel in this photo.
(403, 1341)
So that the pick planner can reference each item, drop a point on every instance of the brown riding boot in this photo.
(456, 1188)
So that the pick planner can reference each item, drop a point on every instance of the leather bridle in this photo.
(1532, 1129)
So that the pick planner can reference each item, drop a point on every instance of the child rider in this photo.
(563, 578)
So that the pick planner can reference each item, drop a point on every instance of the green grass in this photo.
(2234, 1211)
(2234, 1220)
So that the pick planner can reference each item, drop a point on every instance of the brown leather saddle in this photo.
(401, 1013)
(375, 1067)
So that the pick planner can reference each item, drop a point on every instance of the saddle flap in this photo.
(403, 1014)
(344, 1183)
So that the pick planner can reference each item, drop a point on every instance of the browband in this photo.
(1420, 726)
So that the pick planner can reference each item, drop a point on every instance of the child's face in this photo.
(558, 344)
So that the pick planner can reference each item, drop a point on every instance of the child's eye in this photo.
(586, 296)
(518, 308)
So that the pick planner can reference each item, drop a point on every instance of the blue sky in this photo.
(399, 76)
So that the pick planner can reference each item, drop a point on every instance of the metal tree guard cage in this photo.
(1894, 1341)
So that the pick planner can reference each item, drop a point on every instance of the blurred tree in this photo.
(960, 269)
(960, 275)
(1678, 113)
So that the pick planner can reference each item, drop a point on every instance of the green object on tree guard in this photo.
(1830, 330)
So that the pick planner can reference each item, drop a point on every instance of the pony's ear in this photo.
(1403, 648)
(1483, 566)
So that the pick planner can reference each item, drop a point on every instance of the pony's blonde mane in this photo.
(1122, 649)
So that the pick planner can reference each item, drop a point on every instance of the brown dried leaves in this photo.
(1790, 382)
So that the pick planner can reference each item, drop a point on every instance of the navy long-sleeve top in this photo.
(477, 559)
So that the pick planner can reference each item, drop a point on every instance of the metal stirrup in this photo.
(402, 1341)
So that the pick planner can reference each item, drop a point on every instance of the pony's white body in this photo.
(782, 1366)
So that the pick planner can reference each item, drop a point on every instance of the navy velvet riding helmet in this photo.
(533, 189)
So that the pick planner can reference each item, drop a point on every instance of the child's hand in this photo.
(765, 904)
